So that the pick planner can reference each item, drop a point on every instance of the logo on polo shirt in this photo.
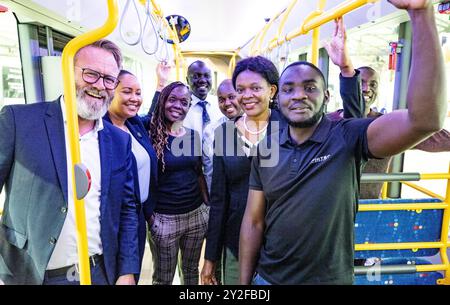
(320, 159)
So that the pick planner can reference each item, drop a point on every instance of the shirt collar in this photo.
(319, 135)
(98, 123)
(195, 99)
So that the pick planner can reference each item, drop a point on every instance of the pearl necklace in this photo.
(254, 132)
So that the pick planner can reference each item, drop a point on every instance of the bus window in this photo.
(11, 84)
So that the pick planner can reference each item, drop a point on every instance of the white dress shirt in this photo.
(208, 150)
(194, 117)
(65, 252)
(194, 120)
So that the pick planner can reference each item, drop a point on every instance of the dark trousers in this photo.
(72, 277)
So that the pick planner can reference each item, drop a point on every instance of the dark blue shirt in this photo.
(311, 200)
(178, 186)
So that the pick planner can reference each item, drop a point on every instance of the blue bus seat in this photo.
(398, 227)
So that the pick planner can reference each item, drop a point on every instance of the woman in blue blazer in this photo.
(123, 114)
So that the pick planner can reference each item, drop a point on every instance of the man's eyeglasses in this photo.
(91, 77)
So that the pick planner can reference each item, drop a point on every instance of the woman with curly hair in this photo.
(180, 218)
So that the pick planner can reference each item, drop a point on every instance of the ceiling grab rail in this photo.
(149, 17)
(172, 33)
(125, 10)
(73, 132)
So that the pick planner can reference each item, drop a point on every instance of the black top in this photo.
(311, 202)
(178, 186)
(229, 187)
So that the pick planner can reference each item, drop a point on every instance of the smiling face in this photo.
(94, 99)
(254, 93)
(199, 79)
(228, 101)
(369, 83)
(302, 96)
(127, 98)
(177, 104)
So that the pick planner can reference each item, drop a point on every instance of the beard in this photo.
(309, 122)
(92, 111)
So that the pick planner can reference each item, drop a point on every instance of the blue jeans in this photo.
(98, 277)
(259, 280)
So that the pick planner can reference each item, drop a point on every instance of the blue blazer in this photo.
(33, 169)
(145, 210)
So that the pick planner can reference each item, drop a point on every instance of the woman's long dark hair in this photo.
(159, 130)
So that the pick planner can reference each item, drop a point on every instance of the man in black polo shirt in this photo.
(298, 224)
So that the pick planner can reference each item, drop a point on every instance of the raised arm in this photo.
(162, 78)
(251, 236)
(350, 83)
(399, 130)
(438, 142)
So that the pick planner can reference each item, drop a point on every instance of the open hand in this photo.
(162, 74)
(410, 4)
(337, 49)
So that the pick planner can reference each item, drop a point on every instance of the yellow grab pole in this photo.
(316, 35)
(284, 20)
(264, 32)
(401, 207)
(384, 190)
(434, 176)
(72, 127)
(232, 65)
(444, 233)
(423, 190)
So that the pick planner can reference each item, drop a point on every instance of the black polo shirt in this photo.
(311, 202)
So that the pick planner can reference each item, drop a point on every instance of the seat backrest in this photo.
(398, 227)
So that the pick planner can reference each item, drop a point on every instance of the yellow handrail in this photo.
(284, 20)
(401, 206)
(264, 31)
(399, 246)
(435, 176)
(72, 127)
(317, 21)
(423, 190)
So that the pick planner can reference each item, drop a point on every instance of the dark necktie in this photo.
(205, 115)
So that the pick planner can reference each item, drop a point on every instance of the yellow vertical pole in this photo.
(444, 233)
(232, 65)
(72, 127)
(384, 190)
(316, 35)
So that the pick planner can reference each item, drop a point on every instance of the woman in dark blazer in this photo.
(255, 80)
(123, 114)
